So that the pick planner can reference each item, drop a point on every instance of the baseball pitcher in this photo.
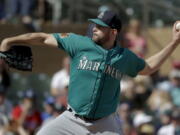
(97, 66)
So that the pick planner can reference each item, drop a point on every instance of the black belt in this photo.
(84, 118)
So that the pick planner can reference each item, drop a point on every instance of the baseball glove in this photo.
(18, 57)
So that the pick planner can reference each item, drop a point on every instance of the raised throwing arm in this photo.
(154, 62)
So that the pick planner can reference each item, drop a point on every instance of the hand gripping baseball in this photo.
(176, 32)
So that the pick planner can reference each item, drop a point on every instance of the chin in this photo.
(94, 38)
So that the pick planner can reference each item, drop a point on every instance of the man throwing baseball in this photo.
(97, 66)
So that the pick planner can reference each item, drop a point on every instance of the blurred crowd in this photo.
(148, 105)
(31, 13)
(25, 117)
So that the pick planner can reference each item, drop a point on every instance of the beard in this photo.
(96, 38)
(100, 39)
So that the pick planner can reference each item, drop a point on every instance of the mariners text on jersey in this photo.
(86, 64)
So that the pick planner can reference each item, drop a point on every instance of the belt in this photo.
(84, 118)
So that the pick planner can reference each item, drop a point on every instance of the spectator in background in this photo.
(4, 75)
(146, 129)
(5, 105)
(175, 92)
(163, 118)
(61, 98)
(172, 85)
(3, 124)
(157, 78)
(56, 111)
(19, 7)
(128, 91)
(128, 129)
(22, 9)
(176, 64)
(2, 11)
(26, 113)
(48, 108)
(174, 127)
(134, 38)
(142, 91)
(159, 101)
(135, 92)
(56, 10)
(14, 128)
(140, 117)
(5, 110)
(40, 12)
(61, 78)
(143, 123)
(126, 120)
(124, 112)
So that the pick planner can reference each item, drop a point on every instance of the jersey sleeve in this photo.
(67, 42)
(134, 64)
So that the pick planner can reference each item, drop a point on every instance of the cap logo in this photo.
(101, 15)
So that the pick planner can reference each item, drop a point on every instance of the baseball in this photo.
(178, 26)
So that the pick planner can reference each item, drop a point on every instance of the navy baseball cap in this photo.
(50, 100)
(108, 19)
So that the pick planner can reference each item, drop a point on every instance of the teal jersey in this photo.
(95, 74)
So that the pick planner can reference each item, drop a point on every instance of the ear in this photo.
(114, 31)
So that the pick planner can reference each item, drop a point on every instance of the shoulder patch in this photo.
(63, 35)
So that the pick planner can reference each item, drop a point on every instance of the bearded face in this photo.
(101, 34)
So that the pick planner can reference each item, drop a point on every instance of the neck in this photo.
(108, 45)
